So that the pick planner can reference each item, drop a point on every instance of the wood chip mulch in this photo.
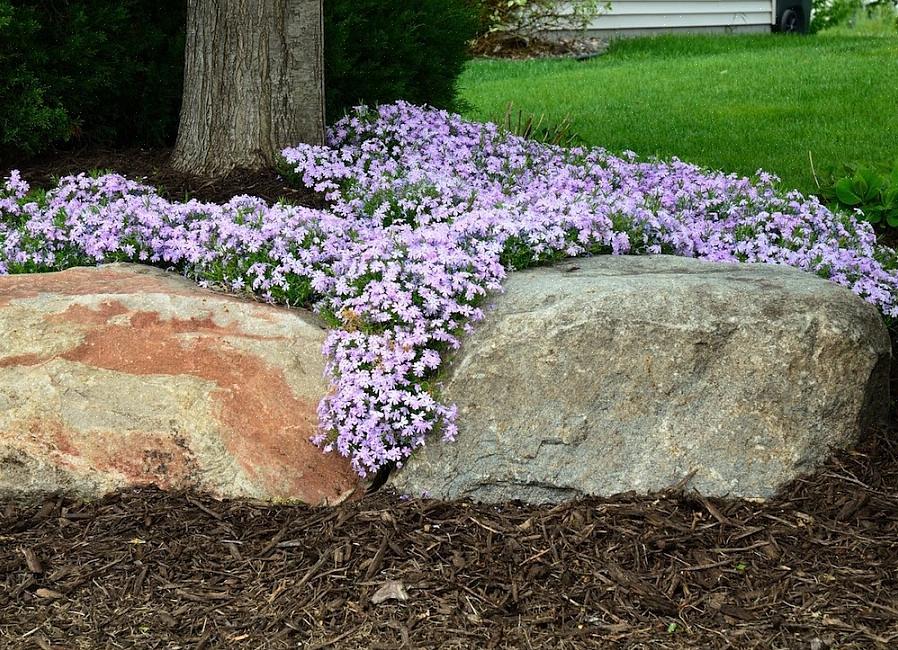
(153, 166)
(815, 568)
(497, 45)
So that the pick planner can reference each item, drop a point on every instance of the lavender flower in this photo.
(428, 212)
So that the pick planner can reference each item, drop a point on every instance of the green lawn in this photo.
(736, 103)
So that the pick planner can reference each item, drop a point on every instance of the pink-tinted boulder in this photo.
(125, 375)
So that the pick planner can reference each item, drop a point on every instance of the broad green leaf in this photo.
(890, 197)
(845, 192)
(873, 182)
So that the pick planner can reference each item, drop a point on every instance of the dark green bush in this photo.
(485, 12)
(28, 117)
(378, 51)
(101, 71)
(118, 67)
(111, 71)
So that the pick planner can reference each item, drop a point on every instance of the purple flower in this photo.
(428, 213)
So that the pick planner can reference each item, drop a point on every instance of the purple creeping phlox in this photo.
(427, 214)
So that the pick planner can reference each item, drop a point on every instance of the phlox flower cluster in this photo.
(427, 214)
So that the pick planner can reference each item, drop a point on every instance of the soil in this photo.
(506, 46)
(816, 567)
(153, 166)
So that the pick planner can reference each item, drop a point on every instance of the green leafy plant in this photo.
(869, 188)
(105, 71)
(878, 17)
(111, 71)
(826, 14)
(378, 52)
(28, 117)
(508, 26)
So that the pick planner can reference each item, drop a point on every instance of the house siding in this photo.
(675, 15)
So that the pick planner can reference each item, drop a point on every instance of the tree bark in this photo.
(253, 83)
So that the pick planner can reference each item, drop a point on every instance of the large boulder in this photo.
(605, 375)
(125, 375)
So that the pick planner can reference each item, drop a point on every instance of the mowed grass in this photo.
(736, 103)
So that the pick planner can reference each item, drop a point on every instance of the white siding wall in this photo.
(700, 15)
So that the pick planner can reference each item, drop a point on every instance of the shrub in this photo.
(510, 27)
(826, 14)
(378, 52)
(874, 17)
(29, 119)
(117, 66)
(112, 71)
(104, 71)
(526, 18)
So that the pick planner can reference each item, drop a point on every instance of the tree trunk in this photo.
(253, 83)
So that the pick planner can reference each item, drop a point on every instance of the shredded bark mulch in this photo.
(815, 568)
(498, 45)
(153, 166)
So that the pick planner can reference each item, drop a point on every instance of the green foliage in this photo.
(378, 52)
(111, 71)
(28, 118)
(118, 67)
(855, 16)
(826, 14)
(871, 188)
(105, 71)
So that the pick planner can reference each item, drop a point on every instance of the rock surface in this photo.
(605, 375)
(125, 375)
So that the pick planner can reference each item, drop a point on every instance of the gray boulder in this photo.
(611, 374)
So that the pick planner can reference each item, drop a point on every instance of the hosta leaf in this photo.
(844, 190)
(873, 182)
(890, 197)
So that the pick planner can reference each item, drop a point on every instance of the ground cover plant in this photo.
(427, 214)
(726, 102)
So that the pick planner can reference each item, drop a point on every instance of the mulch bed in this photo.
(503, 46)
(153, 166)
(815, 568)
